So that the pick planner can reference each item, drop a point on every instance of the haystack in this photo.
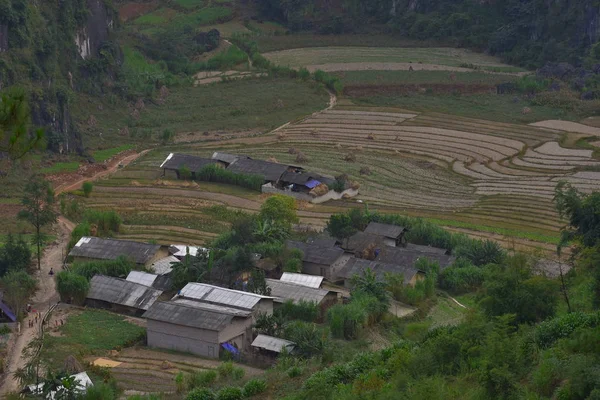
(350, 157)
(301, 158)
(319, 190)
(370, 136)
(281, 135)
(365, 170)
(292, 150)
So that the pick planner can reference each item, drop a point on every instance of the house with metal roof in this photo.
(120, 295)
(181, 250)
(320, 261)
(216, 295)
(175, 162)
(164, 266)
(312, 281)
(393, 234)
(94, 248)
(160, 282)
(287, 291)
(272, 345)
(198, 328)
(357, 266)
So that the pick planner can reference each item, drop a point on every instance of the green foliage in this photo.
(580, 210)
(368, 284)
(106, 221)
(78, 232)
(15, 255)
(230, 370)
(303, 311)
(309, 340)
(214, 173)
(201, 394)
(549, 331)
(332, 83)
(15, 138)
(100, 391)
(230, 393)
(279, 208)
(103, 155)
(87, 188)
(72, 287)
(17, 287)
(347, 320)
(226, 59)
(481, 252)
(201, 379)
(119, 267)
(257, 283)
(461, 279)
(166, 136)
(254, 387)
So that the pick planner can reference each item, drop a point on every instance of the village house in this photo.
(321, 261)
(272, 346)
(160, 282)
(198, 328)
(287, 291)
(175, 163)
(393, 235)
(120, 295)
(93, 248)
(164, 266)
(311, 281)
(356, 266)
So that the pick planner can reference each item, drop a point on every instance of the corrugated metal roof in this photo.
(164, 265)
(226, 157)
(218, 295)
(213, 307)
(387, 230)
(110, 249)
(315, 253)
(123, 292)
(181, 250)
(302, 279)
(143, 278)
(283, 291)
(176, 161)
(356, 266)
(361, 240)
(268, 170)
(188, 315)
(272, 343)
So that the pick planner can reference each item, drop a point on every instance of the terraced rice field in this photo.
(387, 58)
(487, 179)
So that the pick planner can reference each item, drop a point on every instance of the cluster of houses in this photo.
(289, 180)
(207, 320)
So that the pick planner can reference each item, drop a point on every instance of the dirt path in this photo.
(46, 295)
(397, 66)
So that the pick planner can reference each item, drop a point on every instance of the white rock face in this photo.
(82, 40)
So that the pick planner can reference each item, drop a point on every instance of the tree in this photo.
(369, 285)
(72, 287)
(39, 212)
(279, 209)
(582, 212)
(191, 269)
(62, 386)
(18, 286)
(15, 255)
(14, 125)
(340, 226)
(270, 231)
(166, 136)
(258, 284)
(87, 188)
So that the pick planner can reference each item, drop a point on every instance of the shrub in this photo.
(72, 287)
(294, 371)
(238, 373)
(461, 279)
(201, 394)
(120, 267)
(214, 173)
(106, 221)
(254, 387)
(550, 331)
(87, 188)
(230, 393)
(304, 311)
(201, 379)
(226, 369)
(78, 232)
(166, 136)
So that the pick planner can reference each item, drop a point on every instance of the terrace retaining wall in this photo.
(331, 195)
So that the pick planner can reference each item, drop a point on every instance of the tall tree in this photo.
(279, 209)
(18, 286)
(15, 138)
(582, 211)
(14, 256)
(340, 226)
(38, 209)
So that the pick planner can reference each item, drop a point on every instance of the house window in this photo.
(322, 271)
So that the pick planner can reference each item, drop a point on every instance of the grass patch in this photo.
(501, 108)
(103, 155)
(158, 17)
(61, 167)
(445, 312)
(90, 332)
(205, 16)
(189, 3)
(415, 77)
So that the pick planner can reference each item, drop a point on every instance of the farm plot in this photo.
(385, 58)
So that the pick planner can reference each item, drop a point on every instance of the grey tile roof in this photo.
(272, 343)
(122, 292)
(226, 157)
(316, 254)
(221, 296)
(176, 161)
(322, 241)
(143, 278)
(164, 265)
(236, 312)
(268, 170)
(187, 315)
(312, 281)
(426, 249)
(110, 249)
(406, 256)
(361, 240)
(283, 291)
(386, 230)
(355, 266)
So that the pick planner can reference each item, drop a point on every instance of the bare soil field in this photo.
(568, 127)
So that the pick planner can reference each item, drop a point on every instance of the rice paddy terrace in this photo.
(484, 178)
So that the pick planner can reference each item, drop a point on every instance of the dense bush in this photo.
(81, 230)
(201, 379)
(72, 287)
(87, 188)
(254, 387)
(214, 173)
(461, 279)
(230, 393)
(310, 341)
(119, 267)
(15, 255)
(303, 310)
(551, 330)
(347, 320)
(201, 394)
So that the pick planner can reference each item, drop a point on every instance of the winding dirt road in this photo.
(46, 294)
